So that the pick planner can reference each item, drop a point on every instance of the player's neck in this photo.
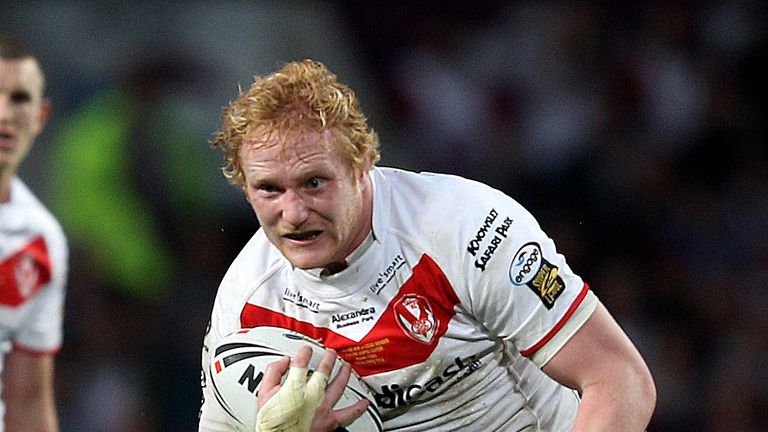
(333, 268)
(5, 185)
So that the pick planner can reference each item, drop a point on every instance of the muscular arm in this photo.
(616, 386)
(28, 393)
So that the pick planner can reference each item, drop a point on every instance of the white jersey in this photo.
(33, 272)
(447, 312)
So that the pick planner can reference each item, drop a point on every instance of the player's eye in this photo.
(266, 188)
(19, 97)
(315, 183)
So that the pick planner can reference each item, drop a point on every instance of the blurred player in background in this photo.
(443, 294)
(33, 255)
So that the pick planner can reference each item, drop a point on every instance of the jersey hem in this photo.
(36, 351)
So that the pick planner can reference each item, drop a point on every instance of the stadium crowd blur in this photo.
(635, 133)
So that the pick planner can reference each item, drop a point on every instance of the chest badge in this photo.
(27, 276)
(414, 316)
(24, 274)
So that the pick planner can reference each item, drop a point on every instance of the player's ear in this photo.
(243, 184)
(45, 112)
(362, 172)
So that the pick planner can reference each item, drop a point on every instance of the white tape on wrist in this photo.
(293, 407)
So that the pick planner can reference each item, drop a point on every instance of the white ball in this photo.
(240, 359)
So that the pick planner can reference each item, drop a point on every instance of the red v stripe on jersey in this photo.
(406, 333)
(24, 273)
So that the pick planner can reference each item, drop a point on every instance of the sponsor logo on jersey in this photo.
(498, 235)
(474, 245)
(385, 276)
(300, 300)
(529, 268)
(400, 395)
(347, 319)
(525, 264)
(414, 315)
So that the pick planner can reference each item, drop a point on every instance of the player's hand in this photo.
(328, 419)
(302, 404)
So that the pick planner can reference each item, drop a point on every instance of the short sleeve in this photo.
(41, 324)
(521, 288)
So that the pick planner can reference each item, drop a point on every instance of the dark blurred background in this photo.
(634, 132)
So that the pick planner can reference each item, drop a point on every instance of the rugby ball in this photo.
(240, 359)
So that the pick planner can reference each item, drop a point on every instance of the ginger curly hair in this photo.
(302, 96)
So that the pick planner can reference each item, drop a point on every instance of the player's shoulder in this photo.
(447, 200)
(256, 261)
(427, 182)
(256, 257)
(256, 264)
(27, 212)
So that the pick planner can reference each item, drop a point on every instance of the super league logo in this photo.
(414, 316)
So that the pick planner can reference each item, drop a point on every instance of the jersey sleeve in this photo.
(41, 331)
(519, 286)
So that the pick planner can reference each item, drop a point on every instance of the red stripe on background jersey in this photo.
(24, 273)
(406, 333)
(532, 350)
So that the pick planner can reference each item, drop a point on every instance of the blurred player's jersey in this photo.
(33, 272)
(447, 311)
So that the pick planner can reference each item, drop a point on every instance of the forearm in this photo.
(28, 393)
(36, 414)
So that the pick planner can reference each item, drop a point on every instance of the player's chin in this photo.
(306, 256)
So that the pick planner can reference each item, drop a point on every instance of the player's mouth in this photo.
(6, 139)
(303, 236)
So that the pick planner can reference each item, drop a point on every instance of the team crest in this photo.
(27, 275)
(24, 274)
(414, 316)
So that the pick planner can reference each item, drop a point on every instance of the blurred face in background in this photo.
(23, 110)
(310, 203)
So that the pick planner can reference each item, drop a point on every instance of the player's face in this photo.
(309, 202)
(23, 110)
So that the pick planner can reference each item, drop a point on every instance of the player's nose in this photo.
(5, 108)
(294, 208)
